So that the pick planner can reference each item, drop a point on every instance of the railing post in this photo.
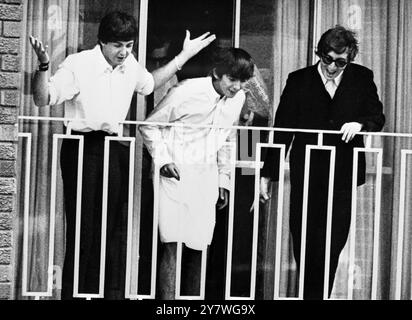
(320, 139)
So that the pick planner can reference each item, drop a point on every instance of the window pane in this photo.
(276, 34)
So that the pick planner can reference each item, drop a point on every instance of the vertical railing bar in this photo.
(229, 257)
(179, 248)
(401, 225)
(140, 107)
(129, 213)
(203, 275)
(255, 224)
(26, 213)
(329, 221)
(304, 223)
(279, 222)
(52, 215)
(320, 139)
(232, 187)
(256, 194)
(368, 142)
(78, 213)
(155, 231)
(178, 270)
(376, 240)
(254, 252)
(228, 295)
(271, 136)
(353, 224)
(256, 204)
(151, 295)
(103, 236)
(128, 294)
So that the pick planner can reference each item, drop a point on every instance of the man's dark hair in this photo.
(338, 39)
(117, 26)
(235, 62)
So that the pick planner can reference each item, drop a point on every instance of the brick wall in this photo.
(11, 15)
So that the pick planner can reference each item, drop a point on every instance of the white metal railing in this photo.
(401, 224)
(256, 164)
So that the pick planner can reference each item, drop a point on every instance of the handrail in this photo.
(167, 124)
(377, 168)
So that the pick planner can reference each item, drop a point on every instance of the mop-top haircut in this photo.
(117, 26)
(234, 62)
(338, 39)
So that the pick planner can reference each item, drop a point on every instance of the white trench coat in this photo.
(202, 155)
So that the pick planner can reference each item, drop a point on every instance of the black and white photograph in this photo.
(205, 158)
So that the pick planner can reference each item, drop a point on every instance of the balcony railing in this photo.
(376, 167)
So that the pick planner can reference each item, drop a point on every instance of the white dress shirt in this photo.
(330, 85)
(91, 89)
(193, 101)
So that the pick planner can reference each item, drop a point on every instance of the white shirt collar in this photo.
(337, 80)
(102, 65)
(212, 93)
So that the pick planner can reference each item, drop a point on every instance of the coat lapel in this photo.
(317, 83)
(346, 82)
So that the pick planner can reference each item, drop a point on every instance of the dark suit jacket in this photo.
(305, 104)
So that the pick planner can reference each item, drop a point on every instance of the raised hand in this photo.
(39, 49)
(192, 47)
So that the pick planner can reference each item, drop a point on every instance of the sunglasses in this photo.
(340, 63)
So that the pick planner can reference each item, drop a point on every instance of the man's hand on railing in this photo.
(349, 130)
(170, 170)
(223, 198)
(264, 194)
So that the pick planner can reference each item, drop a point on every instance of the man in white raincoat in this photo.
(194, 162)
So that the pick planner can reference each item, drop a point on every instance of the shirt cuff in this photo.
(224, 181)
(52, 95)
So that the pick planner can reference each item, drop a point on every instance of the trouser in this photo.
(316, 235)
(91, 214)
(241, 244)
(190, 273)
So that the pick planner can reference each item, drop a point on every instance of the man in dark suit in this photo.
(333, 94)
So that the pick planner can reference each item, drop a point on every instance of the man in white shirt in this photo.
(97, 86)
(194, 162)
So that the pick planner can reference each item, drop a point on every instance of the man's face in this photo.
(330, 62)
(228, 86)
(116, 52)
